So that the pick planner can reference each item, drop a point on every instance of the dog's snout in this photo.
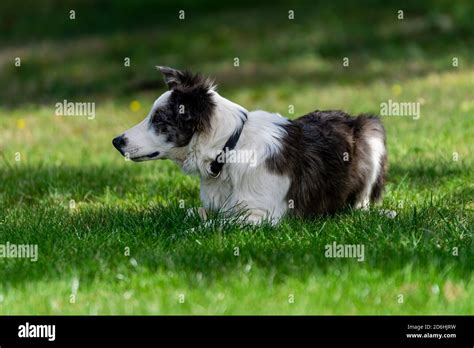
(119, 142)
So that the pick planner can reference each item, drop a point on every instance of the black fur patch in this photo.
(325, 154)
(189, 108)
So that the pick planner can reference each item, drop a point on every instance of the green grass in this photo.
(142, 207)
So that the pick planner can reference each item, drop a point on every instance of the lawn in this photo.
(112, 235)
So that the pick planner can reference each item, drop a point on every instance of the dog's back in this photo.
(333, 160)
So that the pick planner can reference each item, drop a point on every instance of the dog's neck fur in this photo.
(204, 147)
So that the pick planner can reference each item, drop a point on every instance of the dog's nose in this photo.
(119, 142)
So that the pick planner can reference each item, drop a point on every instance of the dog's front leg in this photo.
(261, 197)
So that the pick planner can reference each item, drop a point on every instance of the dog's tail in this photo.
(371, 141)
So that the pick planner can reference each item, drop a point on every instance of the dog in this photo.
(316, 164)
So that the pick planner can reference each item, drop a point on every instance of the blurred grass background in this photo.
(282, 62)
(84, 57)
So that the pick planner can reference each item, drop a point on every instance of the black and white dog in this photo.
(259, 161)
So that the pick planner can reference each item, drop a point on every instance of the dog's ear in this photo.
(172, 76)
(193, 107)
(191, 100)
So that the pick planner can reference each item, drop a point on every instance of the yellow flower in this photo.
(397, 89)
(20, 123)
(135, 106)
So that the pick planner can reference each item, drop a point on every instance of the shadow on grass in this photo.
(91, 246)
(99, 74)
(32, 184)
(28, 186)
(90, 241)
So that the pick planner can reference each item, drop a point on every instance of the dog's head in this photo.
(175, 117)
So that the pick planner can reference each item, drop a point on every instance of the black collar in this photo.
(219, 161)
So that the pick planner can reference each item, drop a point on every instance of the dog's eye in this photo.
(161, 127)
(157, 122)
(156, 118)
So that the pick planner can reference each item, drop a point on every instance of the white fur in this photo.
(242, 186)
(377, 151)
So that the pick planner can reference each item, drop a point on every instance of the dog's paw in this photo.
(249, 219)
(258, 217)
(202, 213)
